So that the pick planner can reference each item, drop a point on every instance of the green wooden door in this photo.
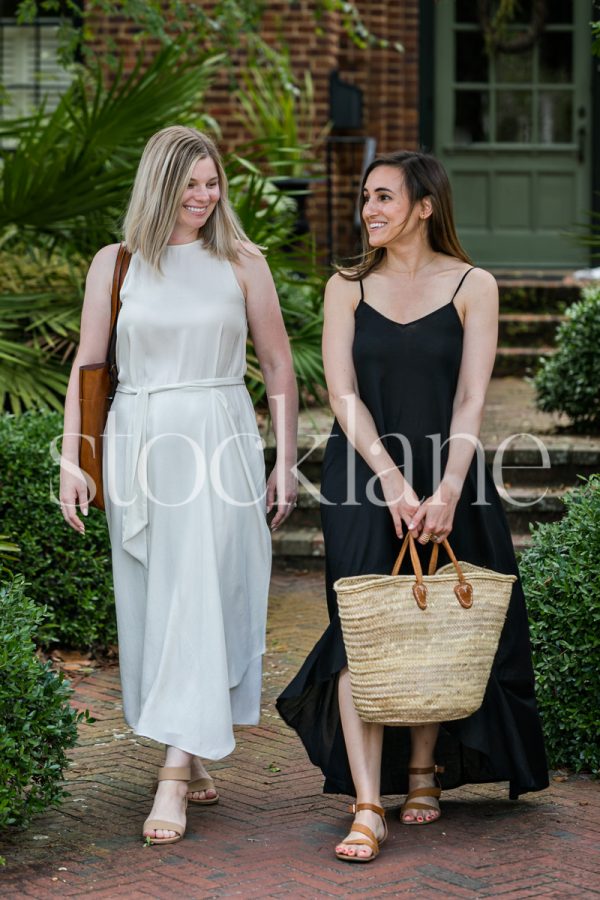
(513, 130)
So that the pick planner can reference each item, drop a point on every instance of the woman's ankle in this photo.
(177, 758)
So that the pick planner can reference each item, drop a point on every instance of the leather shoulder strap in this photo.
(121, 267)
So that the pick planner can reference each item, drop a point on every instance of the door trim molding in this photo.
(595, 115)
(426, 75)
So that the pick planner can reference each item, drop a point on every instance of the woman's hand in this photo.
(433, 520)
(73, 493)
(401, 500)
(282, 491)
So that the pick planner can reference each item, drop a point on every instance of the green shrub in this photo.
(561, 579)
(69, 573)
(37, 724)
(569, 381)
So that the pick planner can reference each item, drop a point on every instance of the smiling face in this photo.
(386, 208)
(199, 200)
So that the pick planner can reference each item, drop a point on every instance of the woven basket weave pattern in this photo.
(413, 666)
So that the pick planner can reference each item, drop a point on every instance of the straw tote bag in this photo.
(420, 648)
(97, 385)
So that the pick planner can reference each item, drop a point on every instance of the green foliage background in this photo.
(37, 723)
(69, 574)
(65, 180)
(561, 580)
(569, 381)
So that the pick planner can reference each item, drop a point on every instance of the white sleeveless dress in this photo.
(184, 475)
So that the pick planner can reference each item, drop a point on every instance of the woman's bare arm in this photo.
(274, 355)
(93, 344)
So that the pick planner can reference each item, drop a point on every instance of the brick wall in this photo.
(388, 80)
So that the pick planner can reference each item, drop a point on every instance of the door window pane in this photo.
(556, 57)
(559, 12)
(471, 117)
(30, 70)
(466, 11)
(555, 117)
(514, 117)
(514, 67)
(470, 60)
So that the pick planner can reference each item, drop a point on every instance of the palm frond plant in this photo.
(69, 173)
(64, 185)
(64, 181)
(268, 216)
(279, 114)
(40, 306)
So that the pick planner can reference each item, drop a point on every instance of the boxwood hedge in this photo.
(37, 723)
(569, 381)
(68, 573)
(561, 579)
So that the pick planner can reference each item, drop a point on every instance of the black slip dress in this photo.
(407, 376)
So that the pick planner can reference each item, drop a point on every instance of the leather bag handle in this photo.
(121, 267)
(463, 590)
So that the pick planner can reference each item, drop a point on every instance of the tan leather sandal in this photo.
(433, 791)
(203, 784)
(168, 773)
(369, 839)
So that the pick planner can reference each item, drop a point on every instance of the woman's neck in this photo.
(410, 260)
(184, 236)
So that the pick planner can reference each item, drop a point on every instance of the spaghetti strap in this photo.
(362, 290)
(460, 283)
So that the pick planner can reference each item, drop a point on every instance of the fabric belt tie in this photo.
(135, 515)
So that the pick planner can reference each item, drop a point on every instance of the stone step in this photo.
(521, 542)
(301, 536)
(521, 460)
(528, 329)
(306, 544)
(298, 542)
(545, 501)
(525, 505)
(531, 292)
(521, 361)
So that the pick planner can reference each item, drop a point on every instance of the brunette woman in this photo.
(409, 344)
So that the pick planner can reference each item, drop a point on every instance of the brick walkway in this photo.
(273, 832)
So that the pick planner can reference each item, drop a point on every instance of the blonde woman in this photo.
(183, 465)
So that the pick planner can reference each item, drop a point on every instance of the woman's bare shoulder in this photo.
(104, 261)
(249, 251)
(342, 290)
(481, 277)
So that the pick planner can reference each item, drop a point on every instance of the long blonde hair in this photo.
(161, 179)
(424, 176)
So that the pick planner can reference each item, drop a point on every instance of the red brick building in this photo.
(515, 117)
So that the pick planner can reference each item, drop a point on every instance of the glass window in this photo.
(471, 117)
(514, 117)
(466, 11)
(470, 60)
(556, 57)
(555, 121)
(29, 67)
(559, 12)
(514, 67)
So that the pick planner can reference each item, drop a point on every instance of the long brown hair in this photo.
(424, 176)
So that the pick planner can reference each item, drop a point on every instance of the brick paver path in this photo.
(273, 832)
